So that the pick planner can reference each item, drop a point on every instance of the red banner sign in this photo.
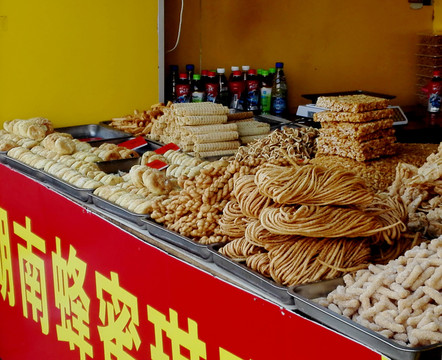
(74, 286)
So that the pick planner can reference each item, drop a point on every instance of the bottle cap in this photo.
(183, 76)
(212, 73)
(204, 72)
(251, 72)
(436, 73)
(196, 76)
(279, 65)
(265, 73)
(259, 71)
(220, 70)
(272, 70)
(190, 67)
(245, 67)
(174, 67)
(237, 73)
(234, 68)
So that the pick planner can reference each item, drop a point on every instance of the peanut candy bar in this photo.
(352, 103)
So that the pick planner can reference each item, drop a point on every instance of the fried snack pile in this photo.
(401, 300)
(35, 128)
(139, 123)
(421, 191)
(379, 174)
(304, 223)
(359, 127)
(196, 211)
(200, 129)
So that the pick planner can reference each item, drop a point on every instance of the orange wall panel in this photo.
(326, 45)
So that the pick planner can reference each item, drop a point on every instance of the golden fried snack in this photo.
(312, 184)
(250, 200)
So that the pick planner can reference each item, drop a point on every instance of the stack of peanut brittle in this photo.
(359, 127)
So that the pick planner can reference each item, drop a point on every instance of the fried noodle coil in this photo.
(320, 221)
(247, 194)
(312, 184)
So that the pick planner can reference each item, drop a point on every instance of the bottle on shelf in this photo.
(197, 89)
(190, 70)
(223, 95)
(236, 88)
(212, 87)
(245, 69)
(272, 72)
(183, 89)
(433, 89)
(204, 76)
(252, 90)
(266, 92)
(259, 75)
(279, 92)
(232, 69)
(171, 82)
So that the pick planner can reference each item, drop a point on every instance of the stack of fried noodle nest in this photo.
(305, 223)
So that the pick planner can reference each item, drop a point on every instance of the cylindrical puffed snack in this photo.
(194, 120)
(215, 137)
(205, 154)
(250, 138)
(223, 145)
(203, 129)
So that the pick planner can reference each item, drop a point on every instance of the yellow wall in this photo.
(77, 62)
(326, 45)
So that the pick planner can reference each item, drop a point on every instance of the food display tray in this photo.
(174, 238)
(23, 168)
(250, 276)
(119, 211)
(3, 157)
(93, 132)
(115, 166)
(67, 188)
(303, 295)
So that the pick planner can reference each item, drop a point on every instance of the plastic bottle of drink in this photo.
(190, 69)
(236, 88)
(245, 69)
(183, 89)
(266, 92)
(204, 77)
(252, 89)
(272, 72)
(434, 91)
(171, 83)
(232, 69)
(212, 87)
(259, 74)
(223, 95)
(197, 89)
(279, 92)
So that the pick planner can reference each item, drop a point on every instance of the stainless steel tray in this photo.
(303, 295)
(174, 238)
(92, 132)
(3, 157)
(252, 277)
(114, 166)
(23, 168)
(119, 211)
(67, 188)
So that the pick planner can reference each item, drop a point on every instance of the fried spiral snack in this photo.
(312, 184)
(256, 234)
(308, 260)
(239, 249)
(251, 202)
(233, 222)
(320, 221)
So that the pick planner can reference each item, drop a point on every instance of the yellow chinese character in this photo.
(226, 355)
(32, 275)
(6, 281)
(119, 315)
(72, 300)
(178, 337)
